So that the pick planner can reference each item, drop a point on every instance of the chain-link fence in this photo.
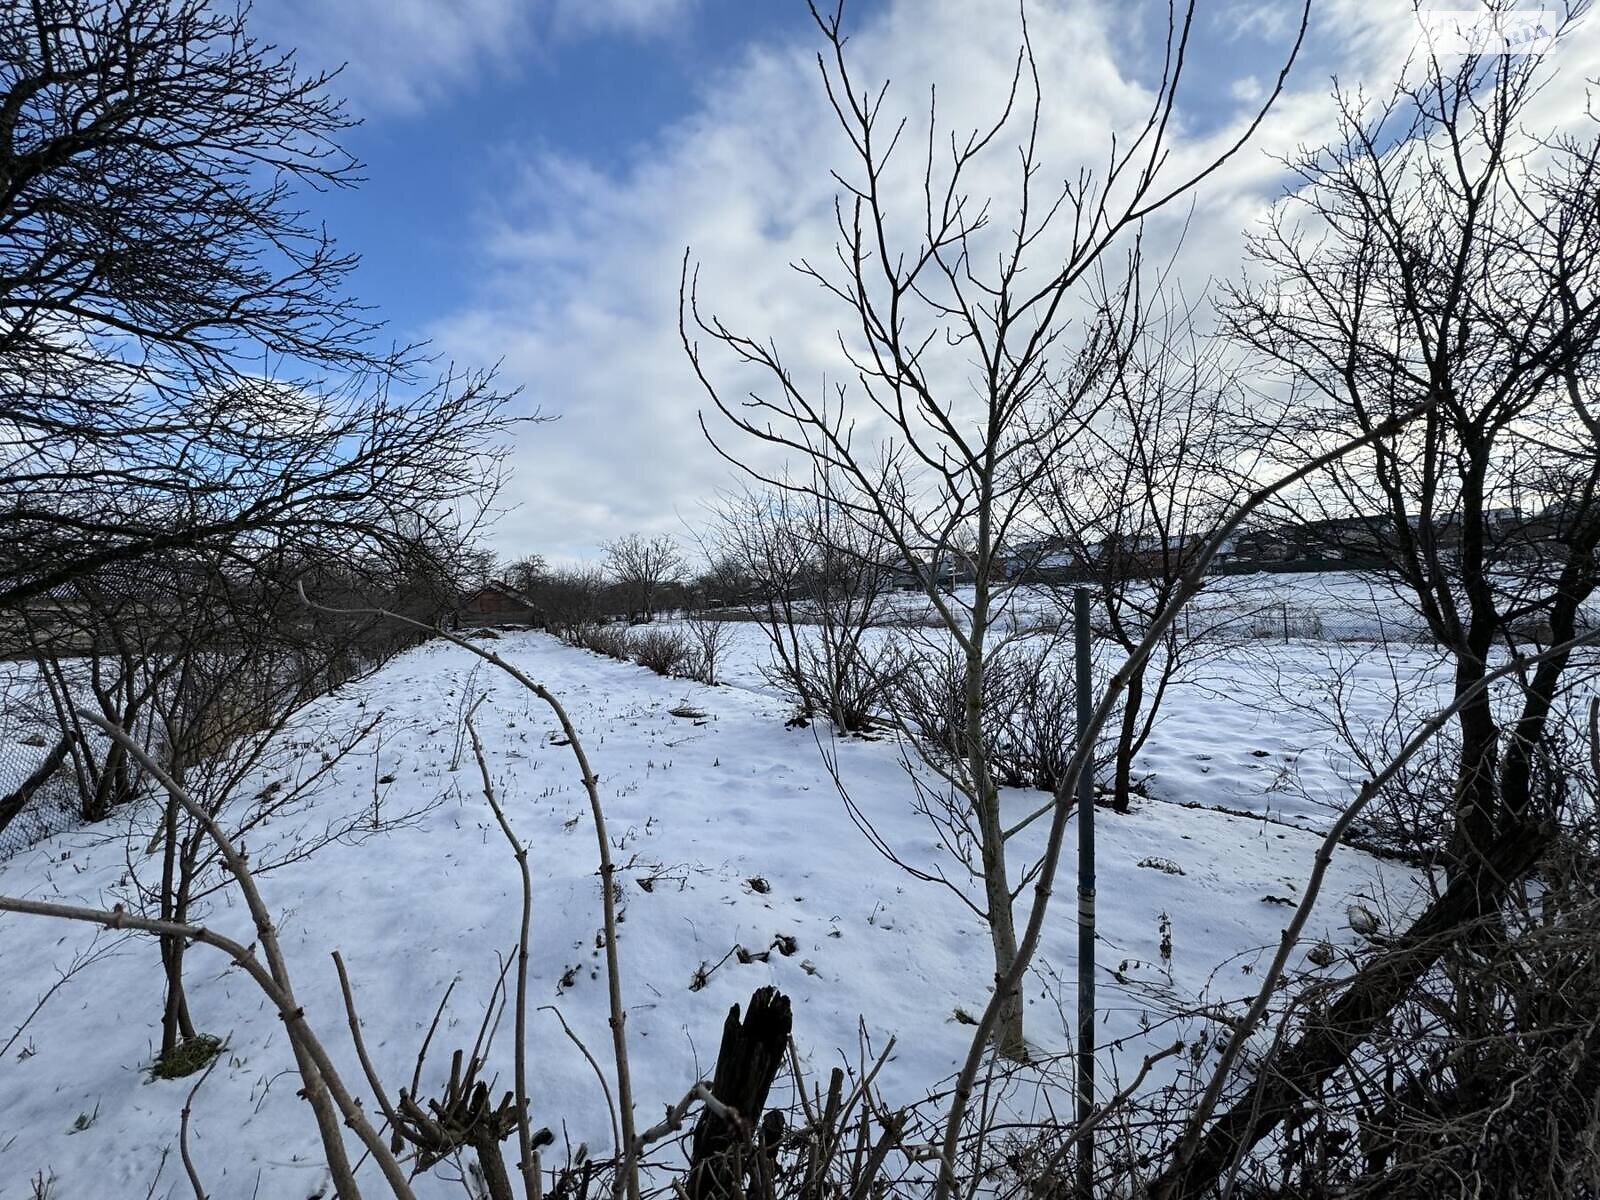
(1286, 621)
(38, 791)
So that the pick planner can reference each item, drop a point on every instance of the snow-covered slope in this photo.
(730, 833)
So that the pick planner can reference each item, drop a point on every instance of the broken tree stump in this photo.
(752, 1050)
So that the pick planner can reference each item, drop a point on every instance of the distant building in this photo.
(952, 571)
(1043, 560)
(498, 603)
(1260, 545)
(1513, 540)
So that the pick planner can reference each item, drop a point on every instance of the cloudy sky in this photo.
(537, 169)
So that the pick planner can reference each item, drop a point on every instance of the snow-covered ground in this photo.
(1331, 606)
(1248, 726)
(730, 833)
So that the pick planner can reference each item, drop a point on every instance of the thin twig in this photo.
(627, 1177)
(183, 1130)
(528, 1165)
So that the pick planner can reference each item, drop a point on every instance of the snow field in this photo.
(728, 832)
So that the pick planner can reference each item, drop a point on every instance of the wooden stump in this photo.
(752, 1051)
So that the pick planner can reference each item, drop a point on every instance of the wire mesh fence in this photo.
(39, 794)
(1264, 622)
(1284, 621)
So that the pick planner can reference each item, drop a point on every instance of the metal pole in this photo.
(1085, 900)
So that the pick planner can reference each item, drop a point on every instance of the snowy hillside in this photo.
(730, 834)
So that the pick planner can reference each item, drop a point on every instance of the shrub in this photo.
(614, 641)
(1483, 1079)
(828, 672)
(663, 652)
(708, 637)
(1029, 718)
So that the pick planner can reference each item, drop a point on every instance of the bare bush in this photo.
(1476, 1075)
(708, 638)
(847, 681)
(613, 641)
(819, 586)
(664, 652)
(1029, 715)
(1330, 1040)
(1487, 1078)
(569, 598)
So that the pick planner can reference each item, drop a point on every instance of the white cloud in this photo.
(634, 17)
(579, 296)
(1264, 18)
(401, 55)
(1247, 90)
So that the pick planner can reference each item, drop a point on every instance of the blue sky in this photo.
(603, 94)
(432, 171)
(537, 168)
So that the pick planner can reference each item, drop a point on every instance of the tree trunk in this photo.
(174, 1008)
(1477, 780)
(496, 1182)
(1008, 1032)
(177, 1026)
(1294, 1075)
(107, 785)
(1516, 773)
(1008, 1039)
(1127, 740)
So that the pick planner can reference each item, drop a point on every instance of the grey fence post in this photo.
(1085, 899)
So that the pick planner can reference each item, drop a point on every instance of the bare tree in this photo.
(1438, 251)
(724, 582)
(526, 573)
(954, 474)
(180, 363)
(642, 568)
(1127, 505)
